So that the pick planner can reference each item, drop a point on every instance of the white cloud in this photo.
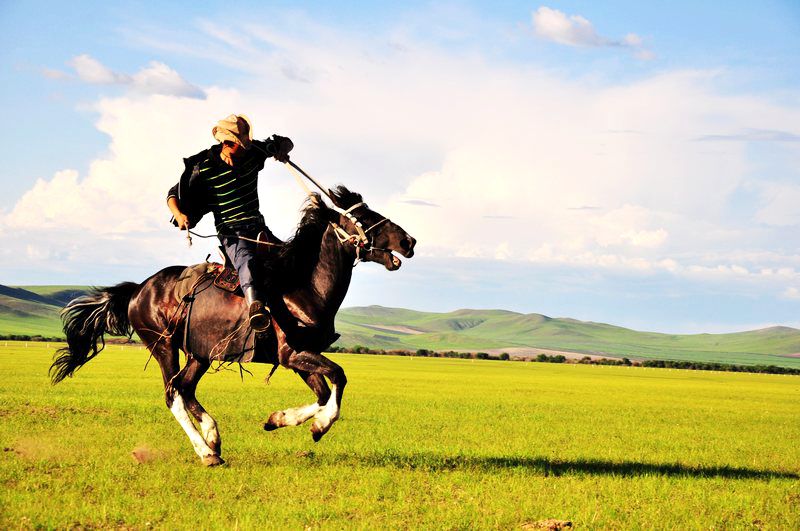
(507, 154)
(780, 205)
(155, 78)
(791, 293)
(575, 30)
(90, 70)
(158, 78)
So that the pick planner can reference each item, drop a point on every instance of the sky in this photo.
(634, 163)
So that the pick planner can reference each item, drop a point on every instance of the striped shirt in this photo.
(232, 190)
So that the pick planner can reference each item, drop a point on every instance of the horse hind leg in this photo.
(298, 415)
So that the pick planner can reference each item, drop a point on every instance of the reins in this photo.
(360, 240)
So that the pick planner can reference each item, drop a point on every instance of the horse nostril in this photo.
(408, 243)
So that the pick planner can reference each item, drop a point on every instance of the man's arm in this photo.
(172, 202)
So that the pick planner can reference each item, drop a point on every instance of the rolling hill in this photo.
(34, 310)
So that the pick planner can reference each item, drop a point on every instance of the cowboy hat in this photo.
(234, 128)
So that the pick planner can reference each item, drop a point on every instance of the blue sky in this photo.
(621, 162)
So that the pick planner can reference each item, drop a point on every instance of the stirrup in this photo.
(260, 318)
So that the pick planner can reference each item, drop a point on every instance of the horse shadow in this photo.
(546, 466)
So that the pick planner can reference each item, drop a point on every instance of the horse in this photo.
(313, 270)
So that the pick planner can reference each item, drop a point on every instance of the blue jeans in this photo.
(242, 254)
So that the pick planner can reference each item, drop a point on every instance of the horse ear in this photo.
(333, 197)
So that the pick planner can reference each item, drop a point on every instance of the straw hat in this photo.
(234, 128)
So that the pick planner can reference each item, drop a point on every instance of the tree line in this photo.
(586, 360)
(505, 356)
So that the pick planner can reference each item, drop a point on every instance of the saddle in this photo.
(225, 278)
(225, 275)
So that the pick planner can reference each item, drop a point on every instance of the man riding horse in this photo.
(223, 179)
(312, 275)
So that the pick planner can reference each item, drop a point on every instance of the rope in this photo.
(261, 242)
(359, 240)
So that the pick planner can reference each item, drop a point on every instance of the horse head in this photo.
(375, 236)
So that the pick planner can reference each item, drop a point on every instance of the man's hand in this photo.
(182, 220)
(281, 146)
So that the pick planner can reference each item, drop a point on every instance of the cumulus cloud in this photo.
(155, 78)
(541, 175)
(575, 30)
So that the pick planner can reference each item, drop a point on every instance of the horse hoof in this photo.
(212, 460)
(274, 421)
(317, 432)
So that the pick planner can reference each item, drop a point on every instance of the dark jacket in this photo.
(190, 191)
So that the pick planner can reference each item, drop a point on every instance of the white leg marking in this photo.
(179, 410)
(295, 416)
(328, 414)
(209, 428)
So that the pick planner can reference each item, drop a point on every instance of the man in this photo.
(224, 180)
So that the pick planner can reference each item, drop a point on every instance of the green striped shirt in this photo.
(232, 191)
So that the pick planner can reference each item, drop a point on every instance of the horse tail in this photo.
(86, 319)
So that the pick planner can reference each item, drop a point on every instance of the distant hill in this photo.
(497, 331)
(35, 310)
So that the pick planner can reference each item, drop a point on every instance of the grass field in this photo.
(421, 443)
(34, 310)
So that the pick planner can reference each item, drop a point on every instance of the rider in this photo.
(224, 180)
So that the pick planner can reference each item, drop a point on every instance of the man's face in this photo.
(232, 148)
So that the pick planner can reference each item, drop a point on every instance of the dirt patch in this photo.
(143, 454)
(794, 355)
(36, 448)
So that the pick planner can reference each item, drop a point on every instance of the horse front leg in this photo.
(297, 415)
(316, 363)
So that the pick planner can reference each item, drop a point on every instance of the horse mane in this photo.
(344, 198)
(300, 254)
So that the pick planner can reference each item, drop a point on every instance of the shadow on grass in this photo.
(556, 467)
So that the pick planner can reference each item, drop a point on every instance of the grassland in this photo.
(34, 310)
(421, 443)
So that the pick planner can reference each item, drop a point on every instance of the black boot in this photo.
(259, 316)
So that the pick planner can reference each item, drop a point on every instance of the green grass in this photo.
(432, 443)
(473, 330)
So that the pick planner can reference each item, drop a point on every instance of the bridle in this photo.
(361, 240)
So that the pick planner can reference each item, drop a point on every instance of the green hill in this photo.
(34, 310)
(390, 328)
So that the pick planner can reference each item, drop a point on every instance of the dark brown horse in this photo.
(313, 270)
